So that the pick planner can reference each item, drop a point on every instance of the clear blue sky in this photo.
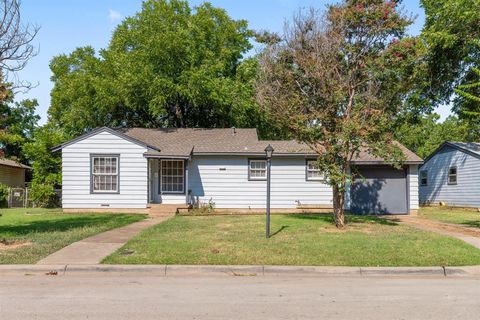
(66, 25)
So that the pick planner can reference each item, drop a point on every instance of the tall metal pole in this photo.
(268, 198)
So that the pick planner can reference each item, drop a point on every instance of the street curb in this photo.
(236, 270)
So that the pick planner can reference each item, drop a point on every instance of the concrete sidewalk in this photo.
(92, 250)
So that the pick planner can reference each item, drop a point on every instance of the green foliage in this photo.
(338, 81)
(43, 195)
(423, 135)
(3, 195)
(17, 122)
(168, 65)
(452, 37)
(467, 102)
(46, 165)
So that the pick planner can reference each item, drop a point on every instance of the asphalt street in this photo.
(242, 297)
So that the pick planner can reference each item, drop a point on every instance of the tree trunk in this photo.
(338, 210)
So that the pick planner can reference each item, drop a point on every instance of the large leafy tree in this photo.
(428, 132)
(452, 38)
(337, 82)
(17, 123)
(467, 102)
(16, 119)
(169, 65)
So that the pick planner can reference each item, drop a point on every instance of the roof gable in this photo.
(469, 148)
(100, 130)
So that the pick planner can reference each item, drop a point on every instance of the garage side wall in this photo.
(133, 187)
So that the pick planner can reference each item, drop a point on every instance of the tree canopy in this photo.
(168, 65)
(337, 82)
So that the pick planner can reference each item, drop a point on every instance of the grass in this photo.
(297, 240)
(35, 233)
(462, 216)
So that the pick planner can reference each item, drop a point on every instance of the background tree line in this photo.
(172, 65)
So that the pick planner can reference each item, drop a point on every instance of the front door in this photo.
(167, 180)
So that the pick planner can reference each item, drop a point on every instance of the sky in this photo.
(68, 24)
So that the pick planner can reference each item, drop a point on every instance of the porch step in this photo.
(165, 209)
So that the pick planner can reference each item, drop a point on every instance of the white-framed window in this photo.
(452, 175)
(313, 172)
(424, 178)
(172, 176)
(104, 175)
(257, 169)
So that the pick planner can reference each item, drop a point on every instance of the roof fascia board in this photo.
(99, 130)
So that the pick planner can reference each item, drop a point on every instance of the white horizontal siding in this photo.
(230, 188)
(467, 190)
(413, 187)
(76, 173)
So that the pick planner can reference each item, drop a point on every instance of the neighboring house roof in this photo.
(183, 142)
(471, 148)
(12, 163)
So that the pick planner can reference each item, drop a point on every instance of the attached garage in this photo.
(379, 190)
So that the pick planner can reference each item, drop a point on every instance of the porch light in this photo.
(269, 151)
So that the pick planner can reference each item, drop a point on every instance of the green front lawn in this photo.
(462, 216)
(28, 235)
(297, 240)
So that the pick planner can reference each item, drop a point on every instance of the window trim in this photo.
(160, 178)
(104, 155)
(322, 178)
(426, 178)
(250, 178)
(456, 176)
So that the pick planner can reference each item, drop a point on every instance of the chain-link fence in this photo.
(20, 198)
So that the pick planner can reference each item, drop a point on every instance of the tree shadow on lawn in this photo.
(349, 218)
(52, 225)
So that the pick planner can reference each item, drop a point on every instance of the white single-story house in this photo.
(135, 169)
(451, 174)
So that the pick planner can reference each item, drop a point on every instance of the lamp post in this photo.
(268, 152)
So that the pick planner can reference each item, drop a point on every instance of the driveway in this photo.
(151, 297)
(466, 234)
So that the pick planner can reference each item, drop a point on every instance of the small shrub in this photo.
(3, 195)
(203, 208)
(43, 195)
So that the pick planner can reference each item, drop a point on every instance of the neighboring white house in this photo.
(451, 174)
(135, 168)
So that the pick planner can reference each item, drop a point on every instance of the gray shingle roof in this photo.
(184, 142)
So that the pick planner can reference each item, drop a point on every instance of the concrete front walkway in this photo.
(466, 234)
(92, 250)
